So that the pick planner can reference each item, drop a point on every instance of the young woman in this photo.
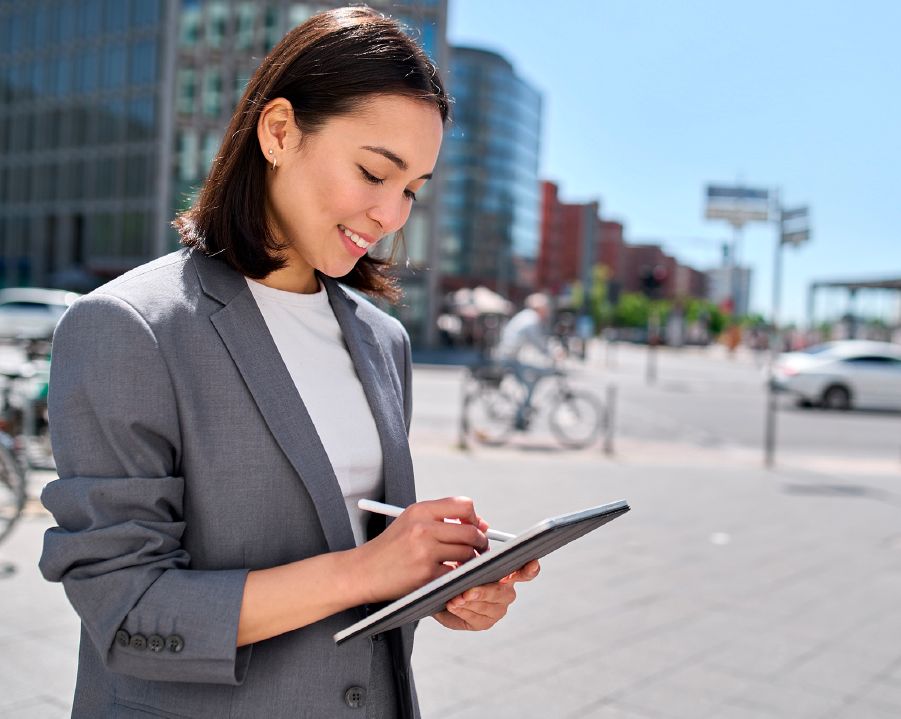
(217, 413)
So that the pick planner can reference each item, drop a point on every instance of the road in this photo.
(701, 397)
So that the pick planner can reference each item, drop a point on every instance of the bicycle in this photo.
(12, 485)
(24, 431)
(497, 402)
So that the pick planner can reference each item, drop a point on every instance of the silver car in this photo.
(32, 312)
(842, 375)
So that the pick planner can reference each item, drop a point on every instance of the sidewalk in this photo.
(727, 592)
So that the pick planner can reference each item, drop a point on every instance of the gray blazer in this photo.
(187, 458)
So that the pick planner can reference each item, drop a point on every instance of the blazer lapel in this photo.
(244, 333)
(373, 370)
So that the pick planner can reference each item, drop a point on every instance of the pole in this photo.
(609, 416)
(775, 342)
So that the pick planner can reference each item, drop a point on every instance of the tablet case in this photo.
(536, 542)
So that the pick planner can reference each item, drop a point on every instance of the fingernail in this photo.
(474, 596)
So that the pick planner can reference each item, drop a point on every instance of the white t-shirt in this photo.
(309, 340)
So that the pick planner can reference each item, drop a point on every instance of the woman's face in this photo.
(346, 186)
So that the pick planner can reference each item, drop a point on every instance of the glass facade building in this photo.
(491, 204)
(112, 111)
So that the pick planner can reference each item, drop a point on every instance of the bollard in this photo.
(463, 440)
(609, 415)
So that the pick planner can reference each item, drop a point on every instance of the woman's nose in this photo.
(390, 215)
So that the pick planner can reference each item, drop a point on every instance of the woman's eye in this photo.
(369, 177)
(410, 195)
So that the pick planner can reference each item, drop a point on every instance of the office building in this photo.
(489, 228)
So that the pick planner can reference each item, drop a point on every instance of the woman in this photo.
(217, 413)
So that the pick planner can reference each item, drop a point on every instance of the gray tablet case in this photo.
(534, 543)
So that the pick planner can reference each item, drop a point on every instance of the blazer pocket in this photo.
(133, 710)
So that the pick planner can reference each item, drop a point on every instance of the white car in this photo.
(841, 375)
(32, 312)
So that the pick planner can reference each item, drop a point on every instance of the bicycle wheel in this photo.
(12, 491)
(490, 415)
(575, 419)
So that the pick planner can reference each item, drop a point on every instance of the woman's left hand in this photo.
(481, 607)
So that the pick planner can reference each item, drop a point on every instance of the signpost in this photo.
(794, 230)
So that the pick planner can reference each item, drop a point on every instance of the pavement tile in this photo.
(838, 669)
(758, 656)
(42, 707)
(883, 692)
(783, 699)
(863, 710)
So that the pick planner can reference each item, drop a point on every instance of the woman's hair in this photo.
(324, 68)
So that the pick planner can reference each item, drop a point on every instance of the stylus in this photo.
(389, 510)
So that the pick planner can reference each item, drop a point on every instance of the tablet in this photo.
(536, 542)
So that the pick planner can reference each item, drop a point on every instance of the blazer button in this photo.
(155, 643)
(138, 641)
(175, 643)
(122, 638)
(355, 697)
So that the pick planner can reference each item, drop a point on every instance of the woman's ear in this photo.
(273, 127)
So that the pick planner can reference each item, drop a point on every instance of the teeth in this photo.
(354, 237)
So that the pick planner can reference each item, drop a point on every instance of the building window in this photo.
(273, 31)
(141, 125)
(143, 63)
(247, 13)
(416, 238)
(112, 120)
(240, 86)
(105, 179)
(210, 147)
(145, 13)
(186, 90)
(135, 227)
(212, 92)
(187, 156)
(216, 21)
(101, 233)
(189, 33)
(91, 13)
(114, 59)
(116, 16)
(138, 176)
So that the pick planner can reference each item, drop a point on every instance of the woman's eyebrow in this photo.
(385, 152)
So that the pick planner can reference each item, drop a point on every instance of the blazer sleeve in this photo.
(119, 506)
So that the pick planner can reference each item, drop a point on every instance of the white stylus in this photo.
(389, 510)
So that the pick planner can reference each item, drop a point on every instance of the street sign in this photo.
(795, 226)
(737, 205)
(795, 238)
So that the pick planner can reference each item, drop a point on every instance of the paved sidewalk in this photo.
(727, 591)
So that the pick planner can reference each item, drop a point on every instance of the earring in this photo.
(274, 159)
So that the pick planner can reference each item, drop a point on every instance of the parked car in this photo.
(842, 375)
(32, 312)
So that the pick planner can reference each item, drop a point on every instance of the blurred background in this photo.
(706, 192)
(580, 161)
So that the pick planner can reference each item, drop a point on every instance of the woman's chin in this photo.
(336, 270)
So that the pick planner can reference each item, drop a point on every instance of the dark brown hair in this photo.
(324, 68)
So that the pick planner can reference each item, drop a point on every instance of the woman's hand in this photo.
(481, 607)
(416, 546)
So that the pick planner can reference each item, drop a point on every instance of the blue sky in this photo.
(647, 102)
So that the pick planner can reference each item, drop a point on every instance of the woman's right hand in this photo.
(414, 548)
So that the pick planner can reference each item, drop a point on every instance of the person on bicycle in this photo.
(524, 347)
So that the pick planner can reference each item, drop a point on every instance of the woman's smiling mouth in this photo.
(359, 241)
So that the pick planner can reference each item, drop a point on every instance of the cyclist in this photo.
(524, 349)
